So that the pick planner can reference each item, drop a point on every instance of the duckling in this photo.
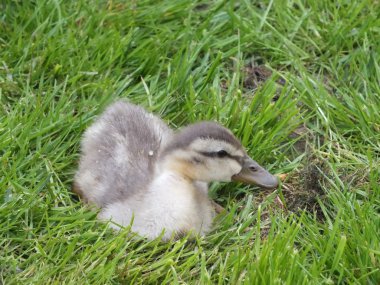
(141, 173)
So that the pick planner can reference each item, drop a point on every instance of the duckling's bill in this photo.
(253, 173)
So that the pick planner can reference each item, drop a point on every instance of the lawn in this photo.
(297, 81)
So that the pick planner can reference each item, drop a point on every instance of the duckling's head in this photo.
(209, 152)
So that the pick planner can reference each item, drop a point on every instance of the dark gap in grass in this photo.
(303, 191)
(257, 75)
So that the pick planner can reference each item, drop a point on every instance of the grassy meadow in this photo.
(297, 81)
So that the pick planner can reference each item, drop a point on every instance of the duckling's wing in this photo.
(119, 152)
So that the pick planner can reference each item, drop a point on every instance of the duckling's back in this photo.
(119, 152)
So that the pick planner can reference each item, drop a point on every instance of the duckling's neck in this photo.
(177, 167)
(179, 177)
(179, 182)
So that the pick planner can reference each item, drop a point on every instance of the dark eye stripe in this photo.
(209, 154)
(216, 155)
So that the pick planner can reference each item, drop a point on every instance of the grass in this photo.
(62, 62)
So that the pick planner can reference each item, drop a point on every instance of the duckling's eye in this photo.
(222, 153)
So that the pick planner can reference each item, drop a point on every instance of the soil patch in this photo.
(254, 76)
(303, 190)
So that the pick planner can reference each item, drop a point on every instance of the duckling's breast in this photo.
(172, 204)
